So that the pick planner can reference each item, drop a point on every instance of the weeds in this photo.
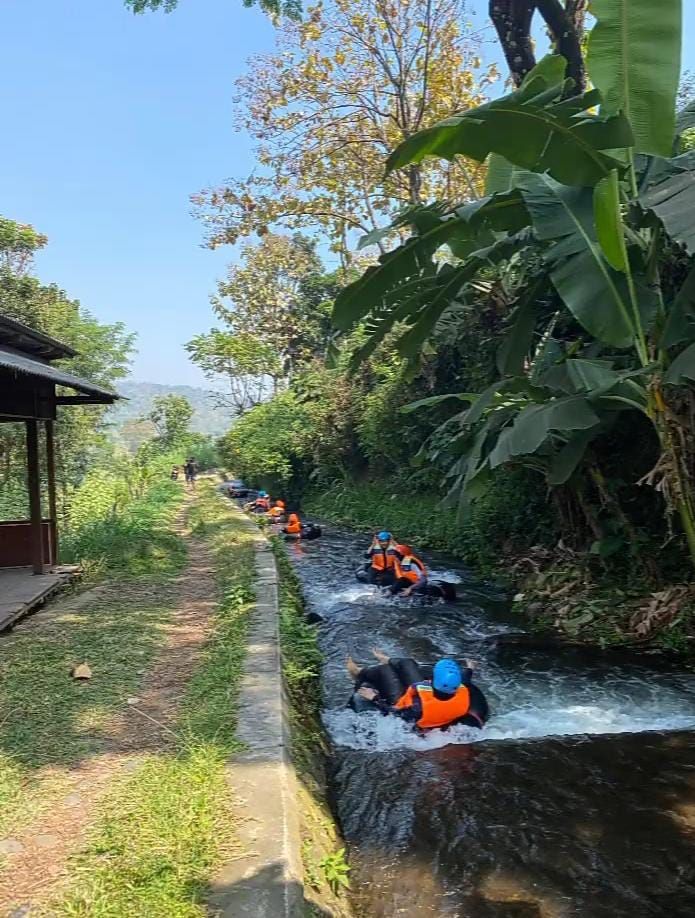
(336, 870)
(135, 540)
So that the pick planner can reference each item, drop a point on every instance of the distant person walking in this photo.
(190, 470)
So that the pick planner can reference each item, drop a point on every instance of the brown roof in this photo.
(21, 365)
(16, 335)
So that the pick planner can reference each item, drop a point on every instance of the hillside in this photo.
(124, 418)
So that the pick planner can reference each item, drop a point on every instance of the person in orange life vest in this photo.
(277, 513)
(294, 526)
(410, 573)
(382, 555)
(439, 703)
(260, 504)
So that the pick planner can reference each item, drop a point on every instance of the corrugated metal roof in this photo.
(35, 343)
(17, 363)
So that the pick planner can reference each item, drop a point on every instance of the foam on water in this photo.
(378, 733)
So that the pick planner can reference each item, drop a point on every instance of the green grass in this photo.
(162, 831)
(511, 516)
(138, 540)
(46, 717)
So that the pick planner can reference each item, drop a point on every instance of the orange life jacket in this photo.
(410, 568)
(294, 527)
(277, 511)
(436, 712)
(384, 559)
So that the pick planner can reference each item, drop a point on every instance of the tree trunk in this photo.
(567, 40)
(512, 22)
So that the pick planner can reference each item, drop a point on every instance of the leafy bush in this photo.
(120, 518)
(270, 444)
(513, 515)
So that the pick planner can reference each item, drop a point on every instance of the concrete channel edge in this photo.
(266, 878)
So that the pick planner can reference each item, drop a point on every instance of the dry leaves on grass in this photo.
(661, 609)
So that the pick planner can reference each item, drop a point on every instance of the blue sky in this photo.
(111, 122)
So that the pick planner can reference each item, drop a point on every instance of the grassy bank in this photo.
(163, 830)
(491, 529)
(326, 873)
(47, 721)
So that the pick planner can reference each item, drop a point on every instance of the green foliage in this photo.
(270, 443)
(120, 519)
(511, 516)
(336, 870)
(634, 60)
(301, 657)
(103, 356)
(534, 128)
(292, 9)
(599, 225)
(18, 244)
(171, 416)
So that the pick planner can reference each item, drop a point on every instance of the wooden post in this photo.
(34, 485)
(52, 504)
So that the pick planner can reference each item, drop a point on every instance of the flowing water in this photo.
(577, 799)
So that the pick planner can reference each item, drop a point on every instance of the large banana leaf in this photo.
(680, 324)
(499, 174)
(608, 220)
(535, 424)
(517, 342)
(683, 368)
(594, 292)
(464, 232)
(671, 196)
(542, 133)
(565, 462)
(634, 60)
(413, 258)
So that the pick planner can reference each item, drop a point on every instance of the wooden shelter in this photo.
(30, 390)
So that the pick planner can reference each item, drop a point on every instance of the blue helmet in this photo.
(262, 493)
(384, 536)
(446, 677)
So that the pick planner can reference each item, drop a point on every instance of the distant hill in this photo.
(124, 418)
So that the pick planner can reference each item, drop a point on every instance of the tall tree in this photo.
(243, 362)
(19, 243)
(344, 86)
(104, 353)
(276, 307)
(171, 416)
(264, 297)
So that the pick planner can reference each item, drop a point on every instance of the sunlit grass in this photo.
(162, 830)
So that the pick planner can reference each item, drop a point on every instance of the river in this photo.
(577, 799)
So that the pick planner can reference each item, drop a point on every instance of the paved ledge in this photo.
(266, 880)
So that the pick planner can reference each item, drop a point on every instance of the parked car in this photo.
(234, 488)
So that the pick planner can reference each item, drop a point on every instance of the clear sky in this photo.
(110, 122)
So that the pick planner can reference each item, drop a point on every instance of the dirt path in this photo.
(33, 861)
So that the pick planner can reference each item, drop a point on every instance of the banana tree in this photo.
(589, 182)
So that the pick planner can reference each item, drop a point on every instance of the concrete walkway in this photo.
(265, 881)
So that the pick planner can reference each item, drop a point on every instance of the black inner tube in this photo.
(439, 589)
(392, 679)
